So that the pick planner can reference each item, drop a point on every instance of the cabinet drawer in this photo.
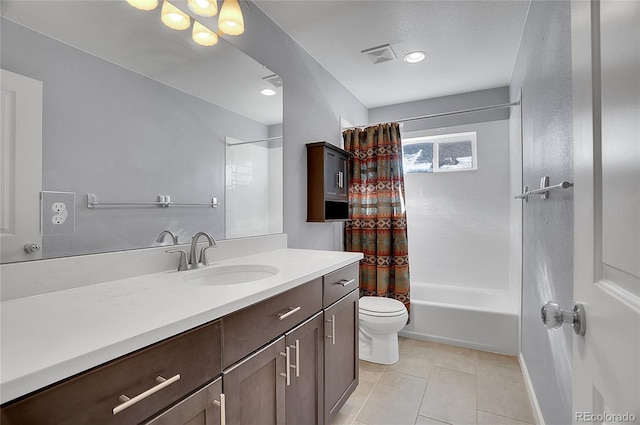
(339, 283)
(247, 330)
(90, 398)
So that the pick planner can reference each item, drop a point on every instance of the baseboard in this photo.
(537, 413)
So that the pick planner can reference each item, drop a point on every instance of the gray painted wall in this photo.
(543, 70)
(122, 136)
(313, 101)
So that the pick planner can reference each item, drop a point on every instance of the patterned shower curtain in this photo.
(378, 221)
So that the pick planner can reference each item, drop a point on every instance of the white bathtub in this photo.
(483, 319)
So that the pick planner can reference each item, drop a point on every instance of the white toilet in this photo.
(380, 321)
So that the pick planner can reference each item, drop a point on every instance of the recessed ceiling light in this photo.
(268, 92)
(415, 57)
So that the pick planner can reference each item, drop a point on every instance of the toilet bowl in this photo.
(380, 321)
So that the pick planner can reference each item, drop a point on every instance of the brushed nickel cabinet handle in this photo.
(345, 282)
(333, 329)
(291, 311)
(296, 347)
(223, 409)
(286, 374)
(128, 402)
(297, 358)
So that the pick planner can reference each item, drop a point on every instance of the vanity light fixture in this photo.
(203, 35)
(174, 18)
(143, 4)
(230, 21)
(203, 7)
(268, 92)
(415, 57)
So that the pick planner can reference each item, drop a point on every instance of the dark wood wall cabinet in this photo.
(291, 359)
(327, 182)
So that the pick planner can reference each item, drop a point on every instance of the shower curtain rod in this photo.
(444, 114)
(269, 139)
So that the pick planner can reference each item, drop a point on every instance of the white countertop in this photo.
(49, 337)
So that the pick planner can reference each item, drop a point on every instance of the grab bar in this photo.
(544, 189)
(163, 201)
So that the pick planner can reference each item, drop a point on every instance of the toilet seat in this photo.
(381, 307)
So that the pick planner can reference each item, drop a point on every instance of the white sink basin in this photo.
(230, 275)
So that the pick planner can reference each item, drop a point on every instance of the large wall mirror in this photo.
(132, 112)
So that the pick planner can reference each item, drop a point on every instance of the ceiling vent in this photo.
(274, 80)
(380, 54)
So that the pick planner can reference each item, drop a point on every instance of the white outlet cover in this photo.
(57, 213)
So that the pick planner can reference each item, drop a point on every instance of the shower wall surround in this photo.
(543, 71)
(458, 222)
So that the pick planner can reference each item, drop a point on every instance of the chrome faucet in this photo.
(196, 262)
(165, 233)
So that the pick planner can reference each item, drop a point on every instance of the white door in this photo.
(21, 161)
(606, 95)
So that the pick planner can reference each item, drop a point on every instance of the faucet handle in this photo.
(183, 258)
(203, 255)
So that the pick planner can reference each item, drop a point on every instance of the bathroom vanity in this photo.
(281, 349)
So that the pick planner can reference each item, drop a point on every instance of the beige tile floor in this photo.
(435, 384)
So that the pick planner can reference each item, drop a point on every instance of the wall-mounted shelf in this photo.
(327, 182)
(163, 201)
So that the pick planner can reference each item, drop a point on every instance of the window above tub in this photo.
(441, 153)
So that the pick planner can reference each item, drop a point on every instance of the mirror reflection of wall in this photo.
(253, 188)
(110, 130)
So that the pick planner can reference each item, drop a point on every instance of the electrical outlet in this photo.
(62, 215)
(58, 213)
(58, 207)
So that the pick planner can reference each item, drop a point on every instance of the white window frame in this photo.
(447, 138)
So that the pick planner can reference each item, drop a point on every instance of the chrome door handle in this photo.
(30, 248)
(128, 402)
(345, 282)
(554, 317)
(223, 409)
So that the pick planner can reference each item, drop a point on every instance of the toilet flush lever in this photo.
(554, 317)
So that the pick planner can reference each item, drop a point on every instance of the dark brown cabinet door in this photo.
(255, 388)
(340, 353)
(204, 407)
(335, 175)
(327, 182)
(305, 393)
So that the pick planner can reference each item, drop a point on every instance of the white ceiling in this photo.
(470, 45)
